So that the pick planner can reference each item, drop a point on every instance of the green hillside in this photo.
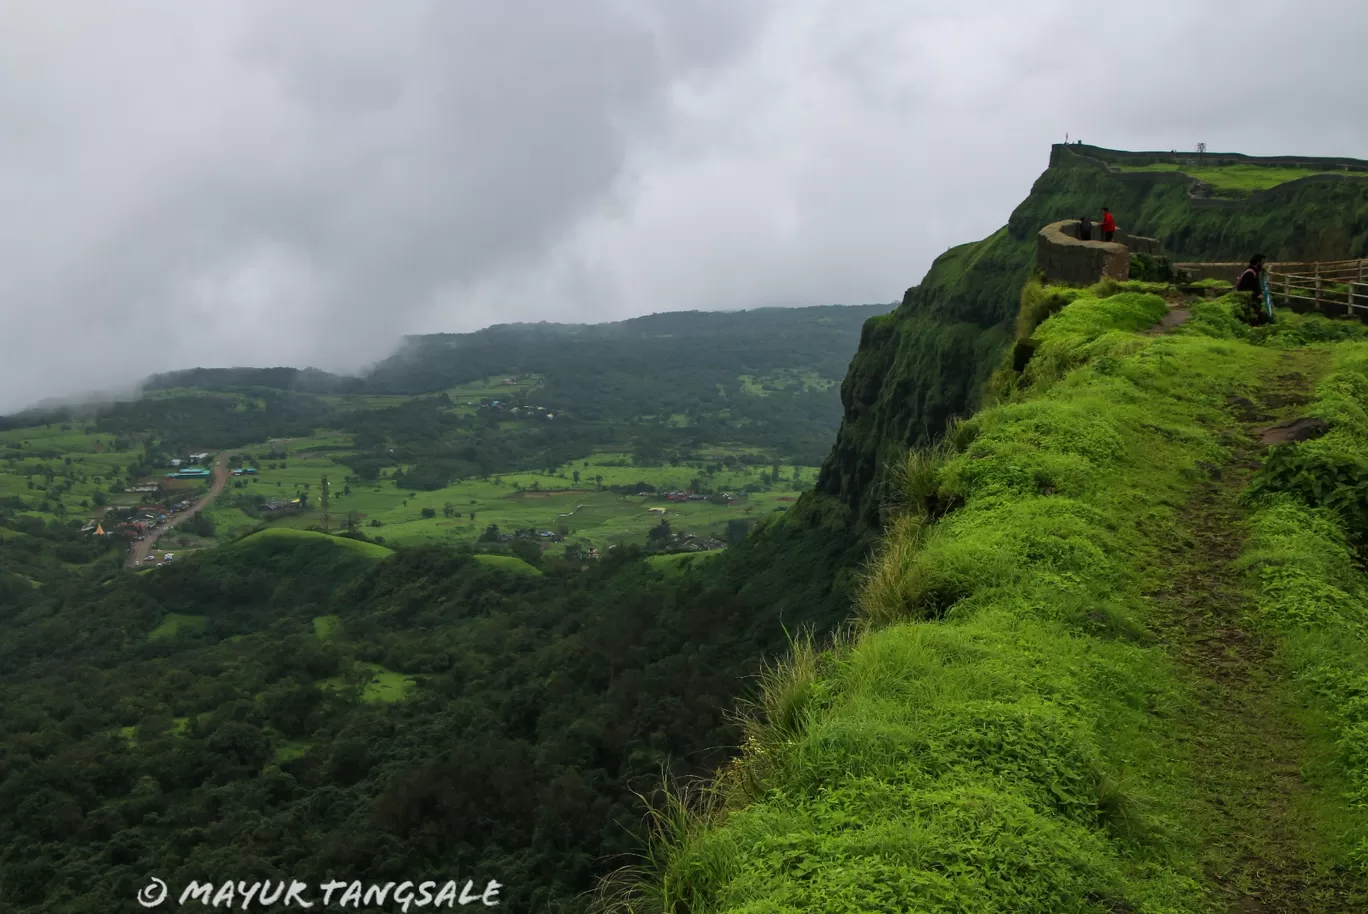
(925, 362)
(1099, 664)
(285, 538)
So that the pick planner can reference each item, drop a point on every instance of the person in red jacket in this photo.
(1108, 224)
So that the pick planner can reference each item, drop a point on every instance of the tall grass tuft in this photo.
(786, 693)
(678, 867)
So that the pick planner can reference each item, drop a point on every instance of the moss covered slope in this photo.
(1014, 726)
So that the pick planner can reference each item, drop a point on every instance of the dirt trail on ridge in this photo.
(1246, 742)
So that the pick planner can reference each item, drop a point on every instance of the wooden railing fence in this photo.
(1341, 284)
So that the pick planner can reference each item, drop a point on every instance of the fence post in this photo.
(1318, 287)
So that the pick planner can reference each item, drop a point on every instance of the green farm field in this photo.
(69, 468)
(594, 517)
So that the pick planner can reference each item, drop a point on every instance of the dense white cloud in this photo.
(253, 182)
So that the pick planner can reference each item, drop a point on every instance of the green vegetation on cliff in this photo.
(929, 359)
(1034, 710)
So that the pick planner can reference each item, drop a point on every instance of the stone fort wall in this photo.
(1207, 159)
(1063, 258)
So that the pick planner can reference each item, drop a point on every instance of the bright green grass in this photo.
(1242, 179)
(286, 537)
(173, 624)
(378, 685)
(1001, 736)
(1312, 595)
(508, 563)
(674, 564)
(326, 627)
(287, 749)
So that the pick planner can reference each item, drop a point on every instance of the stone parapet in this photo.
(1063, 258)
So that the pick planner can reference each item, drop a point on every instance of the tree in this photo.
(353, 518)
(323, 499)
(528, 551)
(429, 512)
(448, 509)
(737, 529)
(577, 477)
(472, 515)
(660, 534)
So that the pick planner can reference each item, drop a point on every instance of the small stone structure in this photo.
(1065, 259)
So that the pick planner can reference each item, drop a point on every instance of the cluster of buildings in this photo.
(531, 533)
(687, 496)
(498, 406)
(245, 471)
(281, 506)
(187, 467)
(692, 542)
(138, 521)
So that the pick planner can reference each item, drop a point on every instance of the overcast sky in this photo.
(300, 182)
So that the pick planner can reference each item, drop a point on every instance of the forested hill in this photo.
(644, 358)
(927, 360)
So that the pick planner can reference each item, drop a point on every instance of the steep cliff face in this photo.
(927, 360)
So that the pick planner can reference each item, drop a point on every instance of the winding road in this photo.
(140, 548)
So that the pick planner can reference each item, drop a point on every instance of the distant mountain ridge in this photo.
(422, 362)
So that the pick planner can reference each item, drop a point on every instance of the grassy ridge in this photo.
(1233, 179)
(285, 536)
(1001, 734)
(1311, 593)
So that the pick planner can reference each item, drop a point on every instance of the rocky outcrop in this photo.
(1303, 429)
